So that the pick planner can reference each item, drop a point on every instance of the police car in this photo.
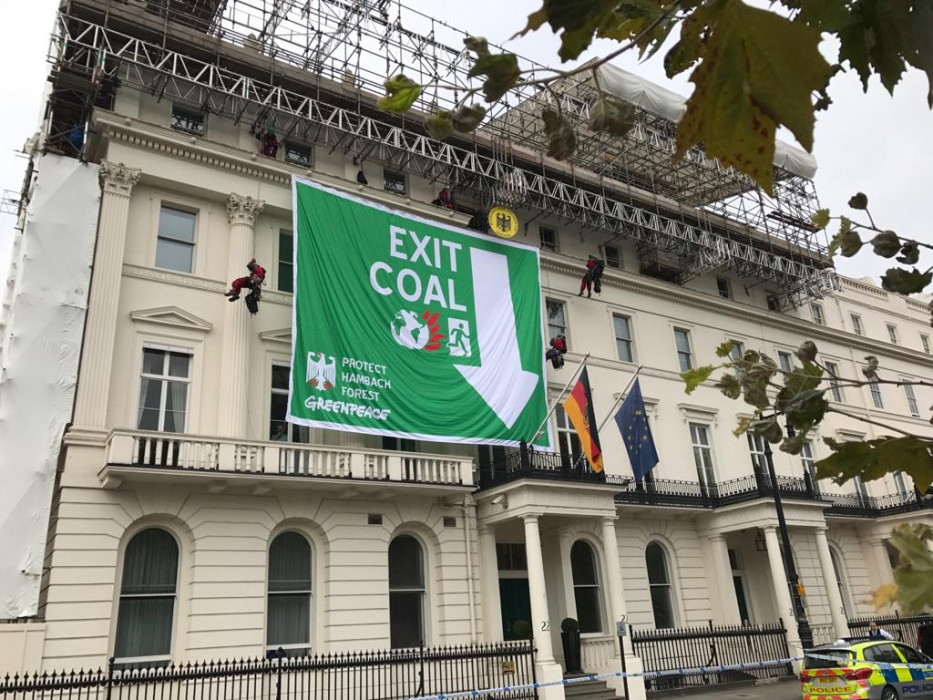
(876, 669)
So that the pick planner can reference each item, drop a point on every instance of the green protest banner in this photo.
(412, 328)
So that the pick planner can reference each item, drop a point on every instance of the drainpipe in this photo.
(468, 545)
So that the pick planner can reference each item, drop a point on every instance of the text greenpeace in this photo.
(411, 328)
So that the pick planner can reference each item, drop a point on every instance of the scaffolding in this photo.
(315, 68)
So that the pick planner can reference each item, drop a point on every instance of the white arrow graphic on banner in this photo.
(499, 379)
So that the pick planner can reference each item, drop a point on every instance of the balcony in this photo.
(858, 506)
(140, 456)
(527, 463)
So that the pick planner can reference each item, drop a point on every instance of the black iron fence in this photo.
(528, 463)
(903, 629)
(699, 495)
(692, 647)
(377, 675)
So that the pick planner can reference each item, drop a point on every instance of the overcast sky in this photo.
(880, 145)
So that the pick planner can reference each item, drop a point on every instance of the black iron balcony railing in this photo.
(527, 463)
(860, 506)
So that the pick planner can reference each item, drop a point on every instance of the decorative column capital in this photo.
(116, 178)
(716, 537)
(609, 520)
(531, 518)
(243, 210)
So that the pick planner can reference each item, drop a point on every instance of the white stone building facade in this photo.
(175, 468)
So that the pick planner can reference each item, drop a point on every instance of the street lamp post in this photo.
(803, 626)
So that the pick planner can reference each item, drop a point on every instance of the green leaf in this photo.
(757, 396)
(877, 40)
(847, 241)
(794, 445)
(611, 115)
(696, 376)
(806, 409)
(872, 459)
(562, 140)
(824, 15)
(914, 574)
(908, 454)
(477, 44)
(742, 427)
(725, 348)
(769, 429)
(630, 22)
(910, 254)
(729, 385)
(758, 72)
(859, 201)
(807, 351)
(906, 281)
(686, 51)
(466, 119)
(820, 219)
(921, 57)
(886, 244)
(401, 93)
(439, 125)
(576, 20)
(501, 71)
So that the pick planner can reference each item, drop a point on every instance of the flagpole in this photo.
(559, 397)
(620, 399)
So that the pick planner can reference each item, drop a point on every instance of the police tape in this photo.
(651, 675)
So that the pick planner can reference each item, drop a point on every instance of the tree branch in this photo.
(857, 417)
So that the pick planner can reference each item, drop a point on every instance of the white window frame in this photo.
(618, 256)
(309, 591)
(628, 342)
(596, 586)
(706, 473)
(838, 564)
(808, 461)
(785, 360)
(925, 343)
(857, 327)
(816, 313)
(425, 623)
(386, 173)
(293, 432)
(912, 406)
(556, 247)
(165, 378)
(192, 112)
(835, 388)
(727, 285)
(669, 585)
(900, 484)
(892, 333)
(877, 399)
(279, 262)
(184, 209)
(756, 450)
(291, 145)
(681, 353)
(566, 325)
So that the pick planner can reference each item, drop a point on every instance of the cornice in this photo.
(174, 278)
(725, 307)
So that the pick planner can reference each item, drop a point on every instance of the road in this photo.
(780, 690)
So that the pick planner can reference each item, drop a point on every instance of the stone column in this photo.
(615, 592)
(492, 606)
(723, 576)
(570, 601)
(785, 606)
(836, 609)
(547, 668)
(117, 182)
(233, 416)
(882, 562)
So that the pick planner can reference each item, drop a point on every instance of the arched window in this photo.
(147, 599)
(586, 587)
(406, 592)
(659, 580)
(840, 582)
(289, 601)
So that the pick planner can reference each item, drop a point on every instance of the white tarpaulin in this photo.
(45, 303)
(665, 103)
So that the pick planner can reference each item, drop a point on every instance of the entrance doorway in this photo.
(738, 581)
(516, 604)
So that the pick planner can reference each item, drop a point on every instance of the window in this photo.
(816, 313)
(882, 653)
(702, 453)
(147, 599)
(773, 302)
(556, 321)
(738, 351)
(613, 256)
(288, 622)
(859, 487)
(548, 238)
(396, 183)
(925, 343)
(857, 324)
(175, 242)
(875, 388)
(298, 154)
(911, 655)
(586, 587)
(511, 556)
(406, 593)
(684, 355)
(659, 580)
(785, 362)
(722, 286)
(163, 392)
(188, 120)
(892, 333)
(625, 345)
(806, 458)
(840, 581)
(900, 485)
(756, 447)
(284, 276)
(834, 387)
(567, 441)
(894, 556)
(911, 399)
(279, 429)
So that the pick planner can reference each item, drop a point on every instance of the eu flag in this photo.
(636, 433)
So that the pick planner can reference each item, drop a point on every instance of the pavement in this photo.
(785, 689)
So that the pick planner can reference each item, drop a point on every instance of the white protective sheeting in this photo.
(665, 103)
(44, 310)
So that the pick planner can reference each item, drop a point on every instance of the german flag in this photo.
(579, 409)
